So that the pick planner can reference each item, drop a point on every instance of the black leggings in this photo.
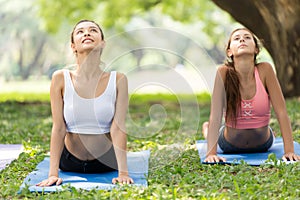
(106, 163)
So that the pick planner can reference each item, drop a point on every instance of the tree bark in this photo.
(26, 69)
(277, 23)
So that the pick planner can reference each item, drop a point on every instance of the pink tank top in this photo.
(255, 113)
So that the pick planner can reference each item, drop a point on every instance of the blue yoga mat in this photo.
(138, 163)
(8, 153)
(254, 159)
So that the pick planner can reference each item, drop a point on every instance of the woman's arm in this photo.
(279, 107)
(118, 130)
(58, 129)
(216, 114)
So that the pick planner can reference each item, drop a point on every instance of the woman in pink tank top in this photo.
(242, 93)
(77, 144)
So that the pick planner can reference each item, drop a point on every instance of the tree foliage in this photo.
(116, 13)
(25, 48)
(276, 22)
(22, 42)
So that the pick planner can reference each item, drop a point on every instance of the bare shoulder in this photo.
(58, 78)
(58, 74)
(122, 85)
(121, 77)
(266, 74)
(265, 68)
(222, 69)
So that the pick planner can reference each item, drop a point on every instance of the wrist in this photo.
(211, 153)
(52, 174)
(123, 173)
(289, 150)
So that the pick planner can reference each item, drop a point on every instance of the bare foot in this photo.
(205, 129)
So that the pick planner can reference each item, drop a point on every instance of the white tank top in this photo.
(89, 116)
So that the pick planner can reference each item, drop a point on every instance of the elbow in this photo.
(117, 134)
(215, 119)
(117, 131)
(117, 128)
(59, 130)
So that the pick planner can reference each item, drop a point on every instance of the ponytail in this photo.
(233, 95)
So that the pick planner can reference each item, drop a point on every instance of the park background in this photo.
(170, 51)
(144, 40)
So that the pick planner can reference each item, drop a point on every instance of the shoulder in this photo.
(264, 68)
(58, 74)
(58, 78)
(266, 73)
(121, 77)
(121, 82)
(222, 69)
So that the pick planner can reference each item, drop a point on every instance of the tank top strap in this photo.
(68, 83)
(67, 77)
(259, 85)
(111, 87)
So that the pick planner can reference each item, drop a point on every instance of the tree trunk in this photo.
(277, 23)
(25, 72)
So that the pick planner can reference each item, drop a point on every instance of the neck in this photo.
(245, 67)
(88, 64)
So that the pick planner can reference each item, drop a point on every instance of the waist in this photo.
(247, 137)
(88, 147)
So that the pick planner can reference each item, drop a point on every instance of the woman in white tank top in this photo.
(89, 108)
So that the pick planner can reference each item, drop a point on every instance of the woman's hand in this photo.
(290, 157)
(214, 159)
(122, 179)
(50, 181)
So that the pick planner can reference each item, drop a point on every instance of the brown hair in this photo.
(232, 80)
(86, 20)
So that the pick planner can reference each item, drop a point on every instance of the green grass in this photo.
(24, 97)
(166, 124)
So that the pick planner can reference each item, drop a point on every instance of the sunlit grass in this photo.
(24, 97)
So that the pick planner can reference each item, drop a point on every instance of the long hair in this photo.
(232, 80)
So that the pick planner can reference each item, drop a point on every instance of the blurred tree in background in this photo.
(41, 25)
(22, 43)
(25, 47)
(276, 22)
(116, 14)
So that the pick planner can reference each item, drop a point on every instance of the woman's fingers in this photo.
(123, 180)
(214, 159)
(290, 157)
(50, 181)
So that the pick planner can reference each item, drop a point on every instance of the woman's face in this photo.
(87, 37)
(242, 43)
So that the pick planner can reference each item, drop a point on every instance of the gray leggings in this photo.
(226, 147)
